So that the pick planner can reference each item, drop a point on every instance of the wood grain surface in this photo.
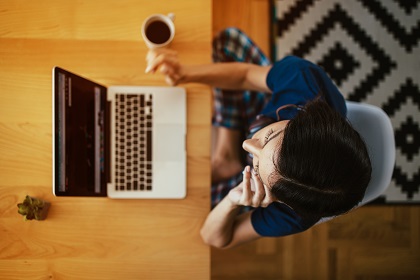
(95, 238)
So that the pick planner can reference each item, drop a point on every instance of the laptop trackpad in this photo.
(169, 142)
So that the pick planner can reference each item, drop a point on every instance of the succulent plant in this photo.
(33, 208)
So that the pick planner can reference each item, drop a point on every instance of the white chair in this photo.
(375, 127)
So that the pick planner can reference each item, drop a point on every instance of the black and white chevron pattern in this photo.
(371, 49)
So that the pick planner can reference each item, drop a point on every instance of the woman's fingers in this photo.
(156, 58)
(168, 64)
(260, 192)
(256, 197)
(246, 192)
(172, 80)
(152, 54)
(155, 63)
(244, 195)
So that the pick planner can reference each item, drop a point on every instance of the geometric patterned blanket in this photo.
(371, 49)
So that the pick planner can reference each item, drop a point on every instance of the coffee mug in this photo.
(158, 30)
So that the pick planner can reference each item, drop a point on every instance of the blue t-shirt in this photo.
(292, 80)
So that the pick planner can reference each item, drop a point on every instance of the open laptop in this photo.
(120, 141)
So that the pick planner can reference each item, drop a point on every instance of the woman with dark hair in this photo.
(307, 161)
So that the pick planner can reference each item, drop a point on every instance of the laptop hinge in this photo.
(107, 136)
(110, 95)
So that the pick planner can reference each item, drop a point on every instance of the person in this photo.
(304, 161)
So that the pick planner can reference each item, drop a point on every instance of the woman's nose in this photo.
(252, 146)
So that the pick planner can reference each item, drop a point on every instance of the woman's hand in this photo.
(167, 62)
(244, 195)
(229, 75)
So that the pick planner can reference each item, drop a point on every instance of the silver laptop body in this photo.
(120, 141)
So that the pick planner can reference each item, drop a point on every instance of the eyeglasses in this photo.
(262, 120)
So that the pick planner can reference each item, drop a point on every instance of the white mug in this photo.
(158, 30)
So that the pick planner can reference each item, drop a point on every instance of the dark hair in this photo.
(323, 163)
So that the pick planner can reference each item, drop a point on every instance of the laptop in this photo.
(118, 141)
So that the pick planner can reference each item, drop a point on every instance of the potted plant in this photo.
(33, 208)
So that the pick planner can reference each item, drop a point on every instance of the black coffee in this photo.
(158, 32)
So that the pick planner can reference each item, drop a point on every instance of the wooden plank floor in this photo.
(374, 242)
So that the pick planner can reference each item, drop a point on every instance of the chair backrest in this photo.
(375, 127)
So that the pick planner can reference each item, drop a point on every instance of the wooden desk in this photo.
(95, 238)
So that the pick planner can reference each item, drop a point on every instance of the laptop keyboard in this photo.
(133, 127)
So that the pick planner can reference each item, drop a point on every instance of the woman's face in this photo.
(263, 146)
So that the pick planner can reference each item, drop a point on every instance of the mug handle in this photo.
(171, 16)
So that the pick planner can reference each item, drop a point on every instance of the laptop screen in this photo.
(79, 136)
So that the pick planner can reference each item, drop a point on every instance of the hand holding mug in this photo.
(167, 62)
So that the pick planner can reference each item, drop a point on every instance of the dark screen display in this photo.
(80, 142)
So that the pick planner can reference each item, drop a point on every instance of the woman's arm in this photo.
(224, 228)
(232, 75)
